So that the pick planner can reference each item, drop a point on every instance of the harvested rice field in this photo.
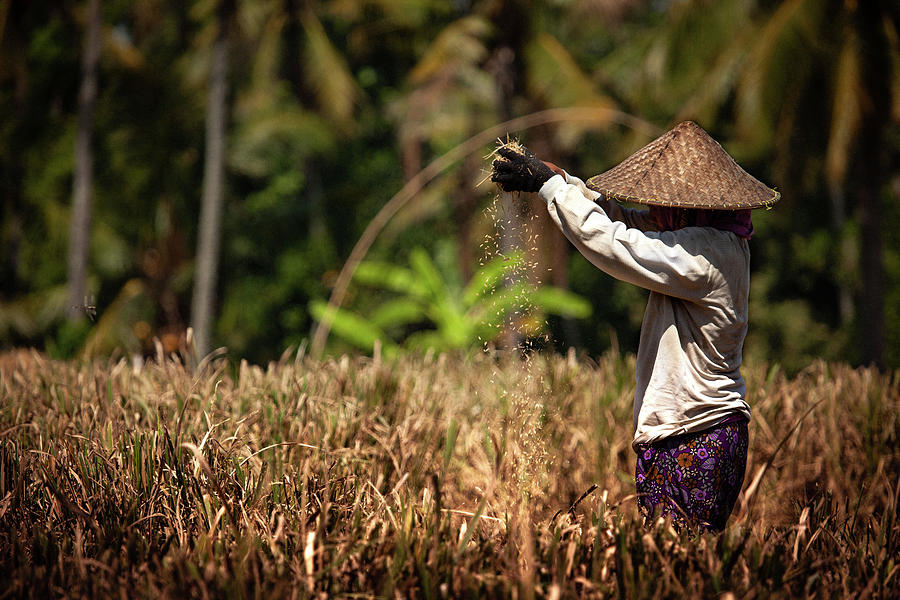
(428, 476)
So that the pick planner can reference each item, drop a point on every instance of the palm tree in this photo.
(872, 28)
(296, 105)
(79, 230)
(208, 241)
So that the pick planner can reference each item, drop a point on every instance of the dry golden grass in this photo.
(430, 476)
(510, 144)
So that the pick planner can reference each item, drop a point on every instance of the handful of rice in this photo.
(510, 144)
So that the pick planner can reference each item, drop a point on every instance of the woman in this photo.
(690, 249)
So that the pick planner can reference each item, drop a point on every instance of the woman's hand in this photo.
(519, 171)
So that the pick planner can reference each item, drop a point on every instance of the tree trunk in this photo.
(872, 313)
(205, 276)
(876, 74)
(465, 202)
(80, 224)
(844, 254)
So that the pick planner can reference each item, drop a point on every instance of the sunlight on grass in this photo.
(431, 476)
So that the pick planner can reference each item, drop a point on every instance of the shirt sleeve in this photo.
(638, 219)
(652, 260)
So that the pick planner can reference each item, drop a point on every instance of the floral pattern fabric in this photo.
(694, 478)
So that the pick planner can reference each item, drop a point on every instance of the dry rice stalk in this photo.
(510, 144)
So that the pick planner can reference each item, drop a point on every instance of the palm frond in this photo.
(328, 75)
(460, 45)
(778, 62)
(557, 80)
(360, 332)
(846, 115)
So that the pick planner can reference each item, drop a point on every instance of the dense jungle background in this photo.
(212, 164)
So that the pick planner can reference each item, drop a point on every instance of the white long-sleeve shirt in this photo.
(688, 364)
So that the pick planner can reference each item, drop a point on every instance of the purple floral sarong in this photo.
(694, 478)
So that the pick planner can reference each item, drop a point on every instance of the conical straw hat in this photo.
(686, 168)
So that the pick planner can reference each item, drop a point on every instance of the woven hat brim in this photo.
(686, 168)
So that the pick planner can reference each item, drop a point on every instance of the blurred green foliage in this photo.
(334, 105)
(428, 308)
